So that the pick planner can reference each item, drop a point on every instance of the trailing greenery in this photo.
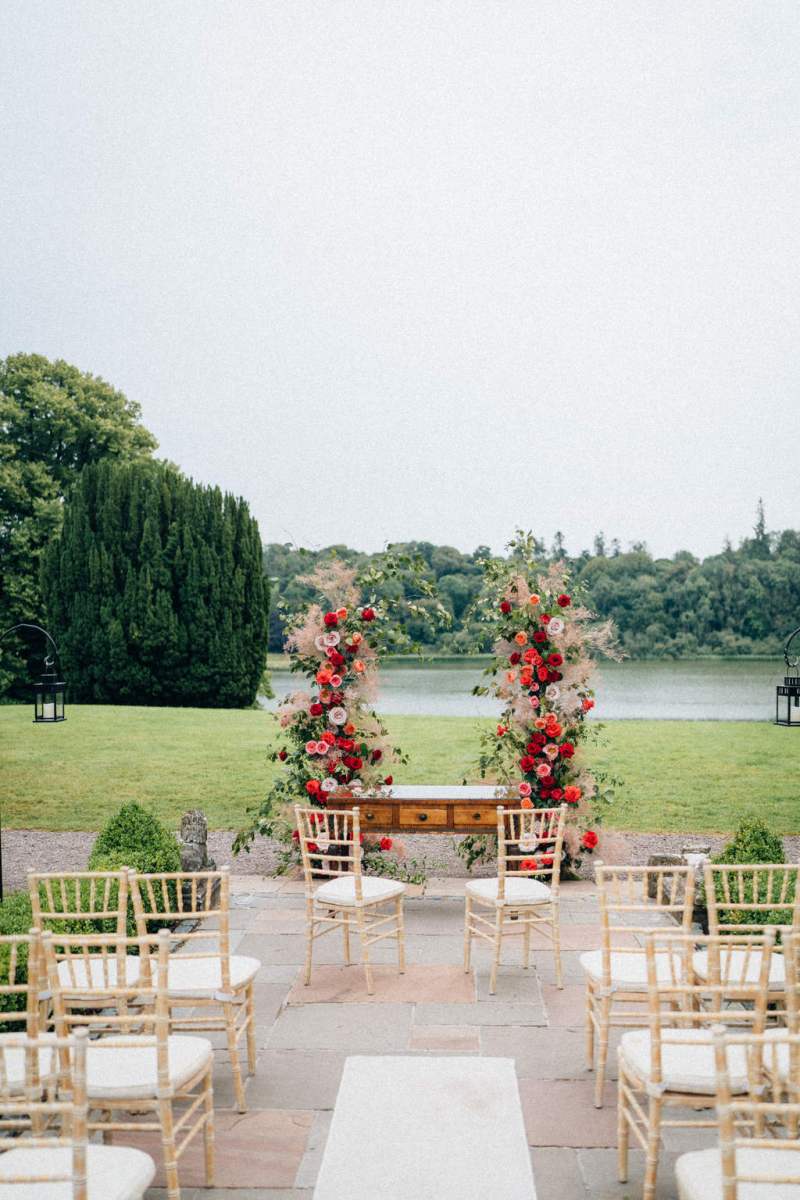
(54, 420)
(154, 590)
(742, 601)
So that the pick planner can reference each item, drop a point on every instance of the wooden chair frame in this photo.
(538, 830)
(58, 896)
(33, 1016)
(623, 893)
(318, 830)
(137, 1015)
(677, 1002)
(48, 1102)
(201, 899)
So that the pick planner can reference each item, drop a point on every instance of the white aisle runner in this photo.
(427, 1129)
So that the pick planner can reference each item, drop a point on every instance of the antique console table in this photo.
(434, 808)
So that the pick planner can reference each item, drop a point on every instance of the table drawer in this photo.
(483, 815)
(379, 815)
(422, 814)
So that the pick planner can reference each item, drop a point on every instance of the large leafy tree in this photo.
(156, 590)
(54, 420)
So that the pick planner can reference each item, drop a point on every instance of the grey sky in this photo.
(428, 270)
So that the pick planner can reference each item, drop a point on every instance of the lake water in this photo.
(696, 690)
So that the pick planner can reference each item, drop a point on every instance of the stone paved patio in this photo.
(305, 1033)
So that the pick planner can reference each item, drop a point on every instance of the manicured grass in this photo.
(676, 776)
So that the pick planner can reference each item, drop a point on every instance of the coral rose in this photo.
(588, 704)
(534, 598)
(521, 638)
(501, 730)
(341, 613)
(349, 728)
(529, 864)
(572, 794)
(526, 802)
(386, 843)
(358, 666)
(312, 787)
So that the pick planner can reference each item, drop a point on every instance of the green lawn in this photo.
(676, 775)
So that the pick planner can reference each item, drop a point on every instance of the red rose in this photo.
(588, 704)
(545, 794)
(331, 619)
(589, 839)
(335, 657)
(566, 749)
(528, 864)
(315, 709)
(388, 780)
(368, 614)
(564, 600)
(282, 755)
(545, 618)
(501, 730)
(386, 843)
(526, 763)
(312, 787)
(515, 657)
(295, 835)
(547, 860)
(505, 607)
(328, 737)
(532, 747)
(543, 674)
(313, 848)
(557, 793)
(540, 636)
(555, 659)
(376, 755)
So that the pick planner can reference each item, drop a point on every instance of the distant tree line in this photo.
(741, 601)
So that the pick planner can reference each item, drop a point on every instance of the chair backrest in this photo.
(196, 907)
(772, 1100)
(98, 897)
(734, 990)
(21, 983)
(330, 844)
(529, 841)
(51, 1096)
(634, 899)
(746, 897)
(110, 985)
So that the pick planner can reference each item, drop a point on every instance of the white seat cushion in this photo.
(342, 890)
(518, 891)
(113, 1173)
(13, 1058)
(739, 966)
(630, 969)
(699, 1174)
(687, 1066)
(72, 972)
(115, 1071)
(203, 976)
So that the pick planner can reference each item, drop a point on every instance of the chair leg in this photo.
(557, 946)
(498, 941)
(250, 1002)
(229, 1013)
(208, 1130)
(653, 1145)
(526, 940)
(168, 1149)
(362, 933)
(309, 942)
(602, 1050)
(623, 1132)
(467, 933)
(346, 935)
(589, 1027)
(401, 936)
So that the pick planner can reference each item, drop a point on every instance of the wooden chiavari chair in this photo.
(215, 984)
(524, 898)
(134, 1064)
(330, 848)
(631, 900)
(58, 1165)
(94, 900)
(670, 1064)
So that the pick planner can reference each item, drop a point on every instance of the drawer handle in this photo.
(370, 816)
(476, 816)
(422, 816)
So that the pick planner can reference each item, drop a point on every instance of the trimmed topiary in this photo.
(753, 844)
(136, 838)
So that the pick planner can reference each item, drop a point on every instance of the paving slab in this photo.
(599, 1171)
(561, 1112)
(565, 1006)
(479, 1014)
(262, 1148)
(420, 982)
(296, 1079)
(539, 1053)
(445, 1039)
(308, 1170)
(557, 1174)
(513, 984)
(352, 1028)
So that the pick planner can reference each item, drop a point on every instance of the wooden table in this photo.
(427, 808)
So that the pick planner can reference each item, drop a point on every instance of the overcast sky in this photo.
(423, 269)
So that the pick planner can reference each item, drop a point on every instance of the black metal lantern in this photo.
(787, 694)
(48, 699)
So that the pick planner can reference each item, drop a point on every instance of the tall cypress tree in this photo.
(155, 590)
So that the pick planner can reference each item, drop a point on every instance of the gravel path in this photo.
(40, 850)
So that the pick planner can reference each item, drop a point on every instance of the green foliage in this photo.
(136, 838)
(54, 420)
(753, 842)
(15, 918)
(155, 590)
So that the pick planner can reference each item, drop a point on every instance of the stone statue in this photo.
(194, 842)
